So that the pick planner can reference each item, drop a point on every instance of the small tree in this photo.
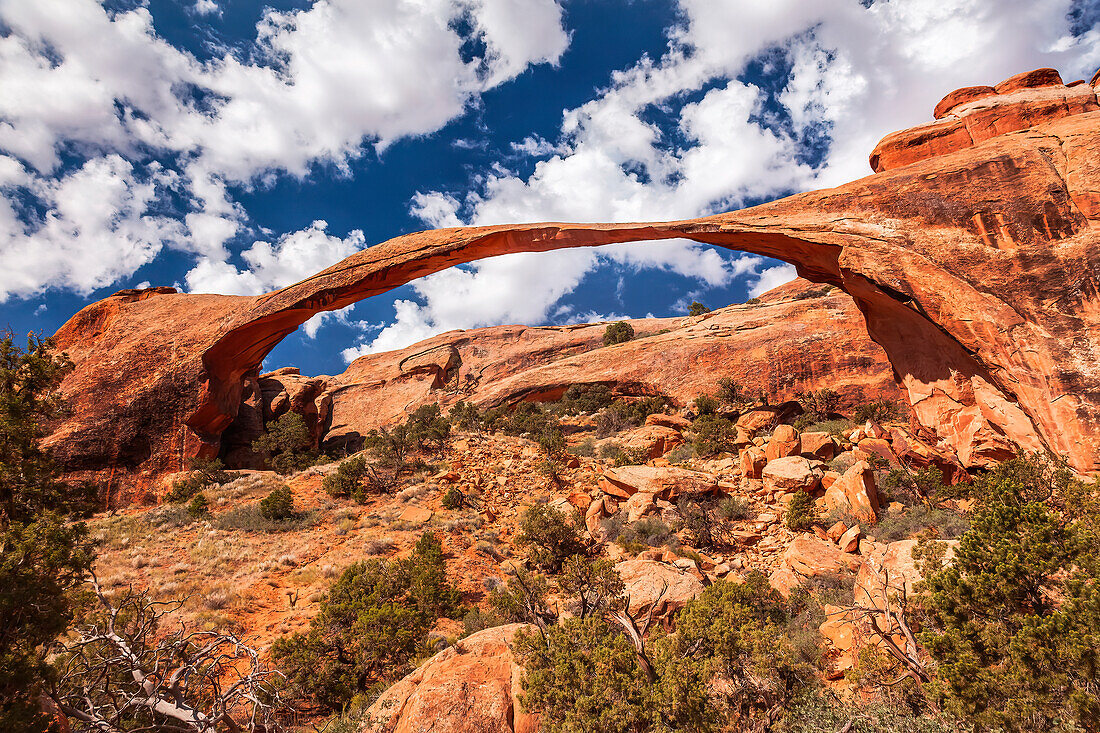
(697, 309)
(466, 416)
(427, 428)
(1014, 620)
(820, 405)
(43, 558)
(205, 473)
(29, 400)
(705, 404)
(549, 537)
(618, 333)
(801, 512)
(370, 628)
(523, 599)
(288, 442)
(595, 585)
(347, 481)
(713, 435)
(199, 505)
(278, 506)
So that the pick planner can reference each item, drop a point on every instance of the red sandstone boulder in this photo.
(784, 442)
(818, 445)
(892, 570)
(752, 461)
(650, 581)
(472, 687)
(1030, 80)
(793, 473)
(666, 482)
(854, 492)
(810, 556)
(668, 421)
(654, 440)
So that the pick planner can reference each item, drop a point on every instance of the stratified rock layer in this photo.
(976, 269)
(799, 337)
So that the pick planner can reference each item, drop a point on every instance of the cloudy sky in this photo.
(234, 146)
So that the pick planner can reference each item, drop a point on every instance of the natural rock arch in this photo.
(975, 265)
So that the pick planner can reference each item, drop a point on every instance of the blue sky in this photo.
(233, 146)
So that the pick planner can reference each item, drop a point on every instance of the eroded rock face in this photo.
(797, 338)
(471, 687)
(976, 267)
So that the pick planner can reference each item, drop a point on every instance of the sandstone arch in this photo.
(975, 265)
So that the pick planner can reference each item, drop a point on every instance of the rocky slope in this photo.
(973, 257)
(797, 338)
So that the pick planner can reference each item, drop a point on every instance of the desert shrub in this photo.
(820, 711)
(550, 538)
(526, 419)
(731, 509)
(706, 404)
(911, 487)
(832, 427)
(1013, 622)
(713, 435)
(697, 309)
(820, 405)
(611, 422)
(477, 620)
(454, 499)
(371, 627)
(737, 633)
(586, 449)
(389, 447)
(618, 333)
(877, 411)
(727, 666)
(643, 534)
(802, 422)
(801, 512)
(466, 416)
(619, 456)
(427, 428)
(943, 524)
(522, 599)
(43, 556)
(199, 505)
(583, 676)
(347, 480)
(551, 441)
(732, 392)
(278, 506)
(701, 519)
(288, 443)
(592, 585)
(585, 399)
(249, 518)
(623, 414)
(681, 453)
(205, 474)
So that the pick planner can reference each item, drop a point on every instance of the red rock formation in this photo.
(471, 687)
(797, 338)
(971, 115)
(976, 270)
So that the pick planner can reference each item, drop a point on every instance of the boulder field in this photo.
(972, 255)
